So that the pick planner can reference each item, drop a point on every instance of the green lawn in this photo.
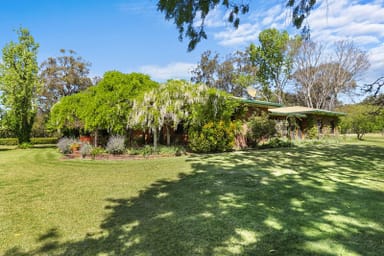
(308, 200)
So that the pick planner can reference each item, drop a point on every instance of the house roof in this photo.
(260, 103)
(302, 111)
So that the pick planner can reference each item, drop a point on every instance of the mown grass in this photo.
(309, 200)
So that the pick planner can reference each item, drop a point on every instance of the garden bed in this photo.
(105, 156)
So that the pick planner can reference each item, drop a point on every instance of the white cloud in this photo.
(251, 25)
(359, 21)
(243, 34)
(345, 19)
(376, 57)
(215, 19)
(176, 70)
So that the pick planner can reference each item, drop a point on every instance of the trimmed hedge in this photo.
(44, 140)
(34, 141)
(9, 141)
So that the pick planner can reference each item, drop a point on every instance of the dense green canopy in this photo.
(104, 106)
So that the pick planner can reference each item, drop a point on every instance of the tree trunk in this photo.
(168, 135)
(24, 130)
(95, 140)
(129, 135)
(155, 138)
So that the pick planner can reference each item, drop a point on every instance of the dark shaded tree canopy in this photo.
(189, 16)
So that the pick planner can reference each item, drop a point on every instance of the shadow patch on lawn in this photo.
(50, 234)
(297, 201)
(6, 149)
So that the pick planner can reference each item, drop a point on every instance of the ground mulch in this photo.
(105, 156)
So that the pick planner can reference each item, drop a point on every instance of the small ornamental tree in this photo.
(167, 106)
(360, 119)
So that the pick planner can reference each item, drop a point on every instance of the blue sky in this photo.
(132, 36)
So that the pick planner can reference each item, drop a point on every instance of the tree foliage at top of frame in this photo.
(189, 15)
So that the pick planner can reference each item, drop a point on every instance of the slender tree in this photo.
(306, 62)
(274, 59)
(19, 83)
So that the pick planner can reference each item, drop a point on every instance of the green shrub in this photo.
(116, 145)
(260, 127)
(277, 143)
(180, 151)
(24, 145)
(313, 133)
(198, 142)
(171, 150)
(9, 141)
(96, 151)
(213, 137)
(134, 151)
(147, 150)
(44, 140)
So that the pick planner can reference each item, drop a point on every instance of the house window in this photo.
(333, 127)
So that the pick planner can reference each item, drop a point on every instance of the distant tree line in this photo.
(317, 74)
(28, 91)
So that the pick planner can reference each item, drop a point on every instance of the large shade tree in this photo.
(322, 73)
(19, 83)
(62, 76)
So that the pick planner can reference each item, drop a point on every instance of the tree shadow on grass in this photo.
(298, 201)
(7, 148)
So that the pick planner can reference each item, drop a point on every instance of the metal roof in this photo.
(299, 110)
(259, 102)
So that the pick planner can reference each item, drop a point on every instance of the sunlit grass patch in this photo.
(308, 200)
